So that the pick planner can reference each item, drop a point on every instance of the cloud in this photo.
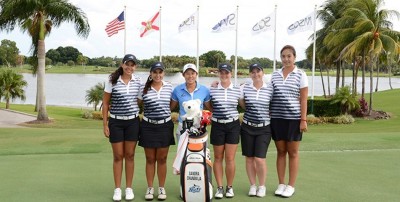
(100, 12)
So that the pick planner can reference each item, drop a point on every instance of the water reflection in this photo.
(70, 89)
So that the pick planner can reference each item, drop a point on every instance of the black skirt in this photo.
(156, 135)
(286, 129)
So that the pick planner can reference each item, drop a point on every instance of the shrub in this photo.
(70, 63)
(174, 70)
(343, 119)
(312, 120)
(48, 61)
(95, 95)
(363, 109)
(347, 101)
(326, 119)
(97, 115)
(59, 64)
(87, 115)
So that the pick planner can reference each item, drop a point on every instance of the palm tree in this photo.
(326, 55)
(1, 83)
(389, 62)
(38, 18)
(339, 36)
(348, 102)
(95, 94)
(383, 59)
(374, 30)
(218, 58)
(11, 86)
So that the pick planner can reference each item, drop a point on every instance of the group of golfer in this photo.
(274, 109)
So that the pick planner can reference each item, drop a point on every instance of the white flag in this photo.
(303, 24)
(228, 23)
(190, 23)
(265, 24)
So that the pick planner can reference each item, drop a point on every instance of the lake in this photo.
(70, 89)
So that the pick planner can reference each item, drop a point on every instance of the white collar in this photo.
(263, 86)
(229, 87)
(120, 78)
(163, 83)
(281, 70)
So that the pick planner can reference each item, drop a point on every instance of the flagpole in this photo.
(275, 41)
(125, 30)
(160, 36)
(237, 20)
(313, 62)
(197, 52)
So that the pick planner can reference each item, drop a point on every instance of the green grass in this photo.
(70, 160)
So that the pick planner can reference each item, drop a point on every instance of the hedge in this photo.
(323, 108)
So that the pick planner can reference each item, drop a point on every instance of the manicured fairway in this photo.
(369, 175)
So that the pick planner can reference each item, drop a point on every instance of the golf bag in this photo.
(196, 167)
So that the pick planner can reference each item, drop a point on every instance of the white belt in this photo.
(256, 124)
(224, 120)
(123, 117)
(157, 121)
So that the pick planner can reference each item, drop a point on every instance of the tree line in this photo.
(9, 56)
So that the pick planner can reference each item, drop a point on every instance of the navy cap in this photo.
(255, 65)
(129, 57)
(225, 66)
(157, 65)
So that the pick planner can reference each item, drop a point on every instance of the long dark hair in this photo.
(147, 85)
(115, 75)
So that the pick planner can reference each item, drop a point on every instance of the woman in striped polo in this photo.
(225, 130)
(255, 130)
(288, 117)
(157, 128)
(122, 128)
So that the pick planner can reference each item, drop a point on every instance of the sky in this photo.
(174, 12)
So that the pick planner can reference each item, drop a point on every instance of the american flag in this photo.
(117, 24)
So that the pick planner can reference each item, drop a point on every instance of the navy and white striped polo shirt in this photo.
(225, 101)
(257, 103)
(157, 103)
(285, 102)
(124, 96)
